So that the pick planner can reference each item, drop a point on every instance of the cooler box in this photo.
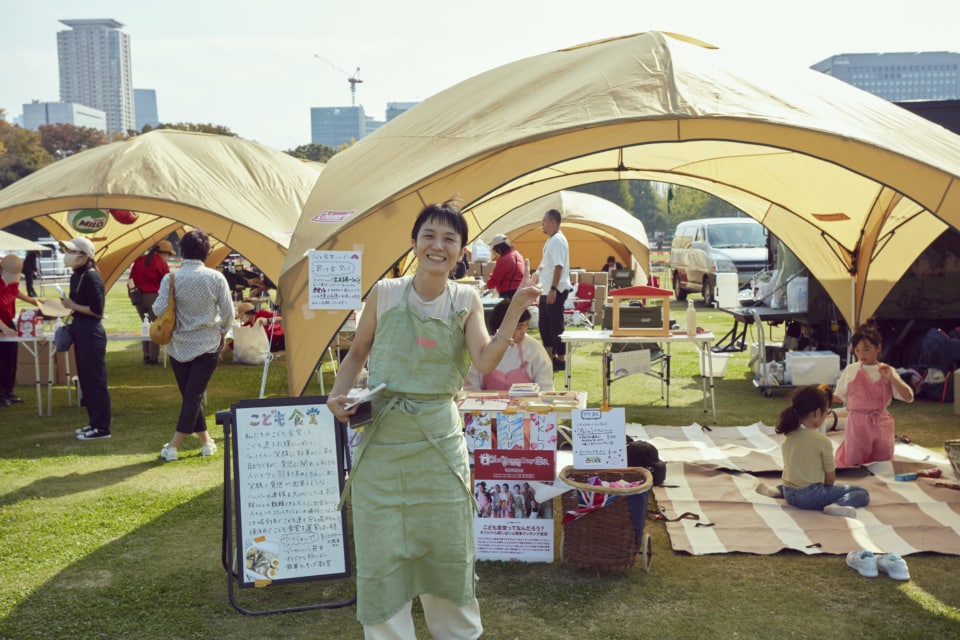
(720, 362)
(812, 367)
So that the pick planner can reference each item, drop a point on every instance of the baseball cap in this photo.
(499, 239)
(79, 244)
(164, 246)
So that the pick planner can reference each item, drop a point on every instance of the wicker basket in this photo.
(952, 448)
(606, 538)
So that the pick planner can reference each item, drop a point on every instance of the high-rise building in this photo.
(898, 77)
(95, 70)
(145, 103)
(38, 113)
(334, 126)
(396, 108)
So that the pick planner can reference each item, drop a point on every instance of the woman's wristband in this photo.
(499, 335)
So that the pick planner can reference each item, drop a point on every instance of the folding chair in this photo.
(580, 309)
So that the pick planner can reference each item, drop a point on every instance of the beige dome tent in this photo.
(245, 195)
(854, 185)
(595, 228)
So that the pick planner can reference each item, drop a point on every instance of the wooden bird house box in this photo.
(627, 295)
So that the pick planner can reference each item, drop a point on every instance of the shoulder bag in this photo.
(161, 329)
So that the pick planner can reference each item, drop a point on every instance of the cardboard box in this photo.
(812, 367)
(26, 373)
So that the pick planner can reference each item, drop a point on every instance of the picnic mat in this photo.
(707, 479)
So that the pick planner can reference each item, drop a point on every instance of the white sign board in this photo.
(334, 279)
(599, 439)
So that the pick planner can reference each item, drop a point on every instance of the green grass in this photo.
(102, 540)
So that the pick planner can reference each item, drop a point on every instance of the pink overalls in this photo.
(869, 434)
(498, 380)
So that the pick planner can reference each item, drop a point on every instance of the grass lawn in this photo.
(103, 540)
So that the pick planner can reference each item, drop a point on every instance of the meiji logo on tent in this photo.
(88, 220)
(333, 217)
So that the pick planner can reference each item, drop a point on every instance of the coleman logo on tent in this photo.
(332, 216)
(88, 220)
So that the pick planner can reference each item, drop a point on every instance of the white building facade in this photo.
(39, 113)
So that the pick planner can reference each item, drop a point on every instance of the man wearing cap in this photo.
(555, 283)
(147, 272)
(86, 301)
(10, 267)
(509, 269)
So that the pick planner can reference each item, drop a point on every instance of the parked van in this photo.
(703, 248)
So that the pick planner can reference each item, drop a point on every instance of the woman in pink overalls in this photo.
(867, 387)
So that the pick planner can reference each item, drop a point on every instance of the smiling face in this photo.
(437, 246)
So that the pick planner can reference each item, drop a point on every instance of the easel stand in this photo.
(237, 489)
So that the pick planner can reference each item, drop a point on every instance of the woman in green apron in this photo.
(410, 484)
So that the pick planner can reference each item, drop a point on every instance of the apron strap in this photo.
(409, 407)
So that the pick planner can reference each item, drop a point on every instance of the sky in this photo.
(253, 66)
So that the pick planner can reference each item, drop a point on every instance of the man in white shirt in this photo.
(554, 274)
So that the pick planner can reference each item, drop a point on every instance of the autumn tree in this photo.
(64, 140)
(21, 152)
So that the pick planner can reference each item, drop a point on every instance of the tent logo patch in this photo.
(88, 220)
(333, 217)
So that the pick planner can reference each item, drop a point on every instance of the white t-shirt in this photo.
(556, 251)
(873, 372)
(390, 294)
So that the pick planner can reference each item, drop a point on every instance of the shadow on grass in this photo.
(52, 487)
(165, 579)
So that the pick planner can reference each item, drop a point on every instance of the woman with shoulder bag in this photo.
(147, 272)
(86, 300)
(197, 336)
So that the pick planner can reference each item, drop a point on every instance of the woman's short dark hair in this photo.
(447, 213)
(195, 245)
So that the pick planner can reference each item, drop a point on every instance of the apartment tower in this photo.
(95, 70)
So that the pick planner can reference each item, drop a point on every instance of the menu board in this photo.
(288, 475)
(599, 439)
(334, 279)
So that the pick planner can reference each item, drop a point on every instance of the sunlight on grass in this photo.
(930, 602)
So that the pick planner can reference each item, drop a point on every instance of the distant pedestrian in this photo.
(147, 272)
(554, 273)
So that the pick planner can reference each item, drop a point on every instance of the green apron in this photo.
(410, 494)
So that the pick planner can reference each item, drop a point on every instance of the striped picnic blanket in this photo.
(706, 476)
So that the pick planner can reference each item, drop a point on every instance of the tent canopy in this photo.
(11, 242)
(854, 185)
(245, 195)
(595, 228)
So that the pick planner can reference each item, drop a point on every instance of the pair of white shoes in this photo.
(170, 454)
(869, 565)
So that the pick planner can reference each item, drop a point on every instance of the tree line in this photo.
(659, 206)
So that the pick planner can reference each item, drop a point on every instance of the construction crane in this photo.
(354, 79)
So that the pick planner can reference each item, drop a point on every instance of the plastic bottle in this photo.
(691, 319)
(145, 327)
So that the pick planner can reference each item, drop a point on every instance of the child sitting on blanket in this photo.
(809, 470)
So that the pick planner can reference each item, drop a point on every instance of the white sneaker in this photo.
(82, 430)
(169, 453)
(893, 565)
(840, 510)
(208, 449)
(864, 562)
